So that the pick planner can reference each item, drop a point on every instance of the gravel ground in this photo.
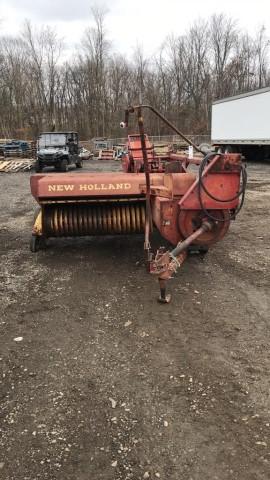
(99, 381)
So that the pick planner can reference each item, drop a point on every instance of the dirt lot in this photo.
(106, 383)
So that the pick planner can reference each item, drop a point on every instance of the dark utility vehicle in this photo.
(58, 149)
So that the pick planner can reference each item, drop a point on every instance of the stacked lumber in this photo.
(106, 154)
(162, 149)
(16, 165)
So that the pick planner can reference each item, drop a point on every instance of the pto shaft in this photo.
(166, 263)
(205, 227)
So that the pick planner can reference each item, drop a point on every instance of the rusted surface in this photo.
(148, 219)
(132, 109)
(86, 204)
(223, 183)
(206, 226)
(189, 220)
(163, 297)
(178, 183)
(220, 185)
(166, 263)
(165, 215)
(179, 204)
(133, 161)
(81, 185)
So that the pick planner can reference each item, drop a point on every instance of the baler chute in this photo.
(186, 208)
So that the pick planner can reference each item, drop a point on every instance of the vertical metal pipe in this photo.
(148, 222)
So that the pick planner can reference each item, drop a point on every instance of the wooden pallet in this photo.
(16, 165)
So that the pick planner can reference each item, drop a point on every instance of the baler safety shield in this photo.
(220, 185)
(85, 185)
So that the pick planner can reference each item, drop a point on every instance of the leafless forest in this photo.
(88, 92)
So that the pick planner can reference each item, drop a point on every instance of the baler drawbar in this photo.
(187, 208)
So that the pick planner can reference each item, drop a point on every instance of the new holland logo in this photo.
(105, 186)
(89, 187)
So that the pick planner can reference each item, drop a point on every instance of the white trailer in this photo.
(241, 124)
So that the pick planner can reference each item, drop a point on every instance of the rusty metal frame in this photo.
(132, 109)
(138, 109)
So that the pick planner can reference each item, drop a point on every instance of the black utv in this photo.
(58, 149)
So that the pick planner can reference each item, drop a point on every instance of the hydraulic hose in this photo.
(201, 186)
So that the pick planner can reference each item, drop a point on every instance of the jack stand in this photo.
(163, 298)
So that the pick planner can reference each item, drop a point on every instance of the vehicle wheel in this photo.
(79, 164)
(220, 149)
(64, 165)
(228, 149)
(260, 155)
(205, 148)
(37, 242)
(34, 243)
(38, 167)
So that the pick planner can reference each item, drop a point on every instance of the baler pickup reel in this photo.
(189, 210)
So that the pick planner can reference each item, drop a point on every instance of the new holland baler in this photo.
(188, 208)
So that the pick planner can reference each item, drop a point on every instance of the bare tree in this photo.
(89, 91)
(223, 38)
(96, 47)
(261, 51)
